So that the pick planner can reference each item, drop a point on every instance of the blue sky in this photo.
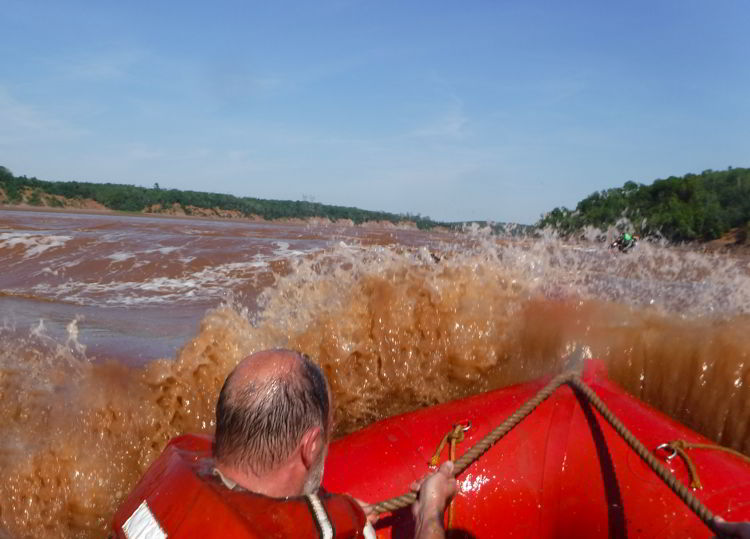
(456, 110)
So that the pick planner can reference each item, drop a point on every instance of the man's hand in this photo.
(741, 530)
(435, 491)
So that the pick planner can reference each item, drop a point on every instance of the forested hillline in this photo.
(130, 198)
(694, 207)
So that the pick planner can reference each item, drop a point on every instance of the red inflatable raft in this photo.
(562, 472)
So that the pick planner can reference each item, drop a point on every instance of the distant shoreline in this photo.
(315, 221)
(32, 193)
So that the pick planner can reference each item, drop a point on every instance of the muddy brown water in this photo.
(117, 333)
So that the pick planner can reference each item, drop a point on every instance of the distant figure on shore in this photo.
(625, 242)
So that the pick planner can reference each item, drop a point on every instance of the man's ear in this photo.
(311, 445)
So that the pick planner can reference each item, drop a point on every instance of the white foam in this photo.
(210, 282)
(664, 277)
(35, 244)
(120, 256)
(283, 250)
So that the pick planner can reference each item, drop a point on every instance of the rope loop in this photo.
(455, 436)
(681, 447)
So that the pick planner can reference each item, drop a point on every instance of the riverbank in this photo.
(94, 208)
(20, 190)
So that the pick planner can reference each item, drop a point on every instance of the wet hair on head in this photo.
(260, 424)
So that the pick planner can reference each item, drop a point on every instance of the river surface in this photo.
(116, 333)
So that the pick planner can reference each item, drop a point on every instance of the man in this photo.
(273, 426)
(625, 242)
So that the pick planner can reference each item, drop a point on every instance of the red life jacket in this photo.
(180, 496)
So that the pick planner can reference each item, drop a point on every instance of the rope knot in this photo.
(455, 436)
(680, 447)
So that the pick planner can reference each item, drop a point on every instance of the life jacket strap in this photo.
(142, 524)
(320, 516)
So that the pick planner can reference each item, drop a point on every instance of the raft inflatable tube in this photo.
(562, 472)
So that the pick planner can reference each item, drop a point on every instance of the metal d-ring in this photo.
(665, 447)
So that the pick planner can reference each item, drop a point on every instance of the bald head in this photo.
(264, 366)
(265, 406)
